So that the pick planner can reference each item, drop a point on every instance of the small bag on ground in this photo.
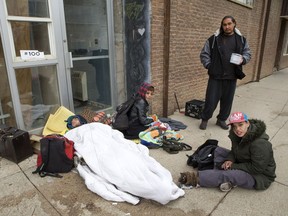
(203, 157)
(14, 144)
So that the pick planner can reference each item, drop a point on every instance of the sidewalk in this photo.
(23, 193)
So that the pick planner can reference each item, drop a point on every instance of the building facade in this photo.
(95, 53)
(190, 23)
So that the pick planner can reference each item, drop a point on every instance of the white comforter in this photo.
(120, 170)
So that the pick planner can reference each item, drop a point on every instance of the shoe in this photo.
(171, 147)
(225, 187)
(182, 145)
(203, 125)
(222, 124)
(189, 180)
(194, 179)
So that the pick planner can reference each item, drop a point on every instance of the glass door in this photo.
(32, 65)
(56, 53)
(87, 39)
(7, 116)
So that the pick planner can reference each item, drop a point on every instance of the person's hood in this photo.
(235, 30)
(256, 130)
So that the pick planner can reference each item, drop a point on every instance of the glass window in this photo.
(7, 116)
(39, 94)
(248, 3)
(28, 8)
(86, 25)
(30, 36)
(91, 83)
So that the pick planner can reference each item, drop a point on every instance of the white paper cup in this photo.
(236, 58)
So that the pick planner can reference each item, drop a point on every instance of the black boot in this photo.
(222, 124)
(203, 125)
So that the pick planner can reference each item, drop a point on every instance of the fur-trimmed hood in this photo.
(235, 30)
(255, 131)
(217, 33)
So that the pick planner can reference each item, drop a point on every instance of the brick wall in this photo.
(157, 46)
(191, 23)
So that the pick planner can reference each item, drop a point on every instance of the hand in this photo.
(154, 117)
(227, 165)
(240, 60)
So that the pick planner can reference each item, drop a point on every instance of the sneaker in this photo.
(222, 124)
(203, 125)
(225, 187)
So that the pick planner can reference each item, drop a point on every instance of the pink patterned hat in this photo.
(237, 117)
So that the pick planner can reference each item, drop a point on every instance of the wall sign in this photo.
(31, 55)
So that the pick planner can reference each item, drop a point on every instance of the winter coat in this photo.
(211, 55)
(138, 113)
(253, 154)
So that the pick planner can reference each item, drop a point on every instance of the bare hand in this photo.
(227, 165)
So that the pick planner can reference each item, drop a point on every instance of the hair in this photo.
(226, 17)
(144, 88)
(151, 88)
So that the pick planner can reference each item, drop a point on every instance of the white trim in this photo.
(28, 19)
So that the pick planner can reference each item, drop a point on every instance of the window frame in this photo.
(242, 2)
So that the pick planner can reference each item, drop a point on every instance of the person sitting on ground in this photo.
(137, 116)
(250, 164)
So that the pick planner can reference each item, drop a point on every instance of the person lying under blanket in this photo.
(119, 170)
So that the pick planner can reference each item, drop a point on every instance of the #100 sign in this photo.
(31, 55)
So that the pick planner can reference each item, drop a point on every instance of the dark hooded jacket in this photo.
(253, 154)
(138, 113)
(211, 56)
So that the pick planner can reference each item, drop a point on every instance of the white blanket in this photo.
(120, 170)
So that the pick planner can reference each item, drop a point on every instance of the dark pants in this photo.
(219, 90)
(215, 177)
(133, 131)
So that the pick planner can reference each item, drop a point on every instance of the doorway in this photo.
(75, 63)
(88, 41)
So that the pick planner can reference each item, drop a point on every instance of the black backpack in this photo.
(121, 121)
(56, 156)
(203, 157)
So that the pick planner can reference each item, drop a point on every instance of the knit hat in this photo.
(143, 89)
(237, 117)
(81, 119)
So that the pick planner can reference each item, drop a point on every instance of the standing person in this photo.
(215, 56)
(138, 118)
(250, 164)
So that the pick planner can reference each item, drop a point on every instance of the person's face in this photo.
(240, 128)
(149, 95)
(75, 122)
(228, 26)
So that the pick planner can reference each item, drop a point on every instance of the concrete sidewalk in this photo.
(23, 193)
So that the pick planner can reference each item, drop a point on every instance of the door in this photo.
(34, 64)
(87, 29)
(40, 70)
